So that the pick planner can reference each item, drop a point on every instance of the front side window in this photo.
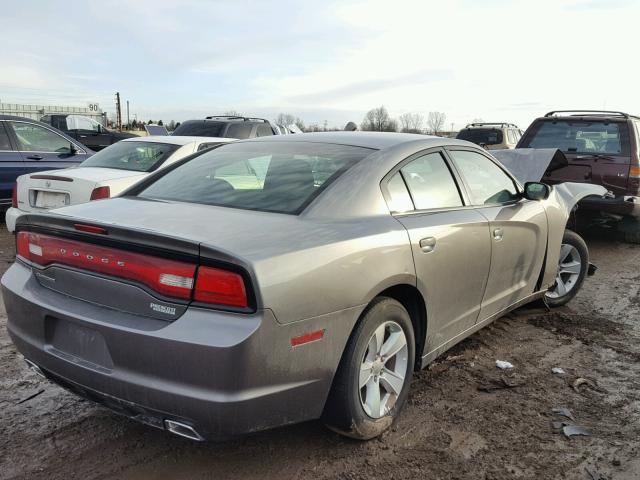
(430, 183)
(200, 128)
(34, 138)
(275, 177)
(78, 122)
(133, 156)
(579, 136)
(488, 184)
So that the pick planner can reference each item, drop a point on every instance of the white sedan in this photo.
(104, 175)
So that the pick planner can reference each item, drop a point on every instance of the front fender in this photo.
(561, 201)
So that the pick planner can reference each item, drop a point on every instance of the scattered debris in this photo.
(583, 381)
(454, 358)
(31, 396)
(575, 430)
(501, 364)
(558, 371)
(499, 385)
(596, 475)
(563, 412)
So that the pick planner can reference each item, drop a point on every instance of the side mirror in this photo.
(536, 191)
(72, 149)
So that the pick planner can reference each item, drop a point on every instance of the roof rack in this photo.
(591, 113)
(236, 117)
(485, 124)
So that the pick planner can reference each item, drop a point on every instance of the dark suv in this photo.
(602, 147)
(227, 127)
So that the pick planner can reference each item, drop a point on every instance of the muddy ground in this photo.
(449, 429)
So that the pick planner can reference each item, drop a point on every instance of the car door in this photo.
(42, 148)
(449, 241)
(11, 165)
(518, 229)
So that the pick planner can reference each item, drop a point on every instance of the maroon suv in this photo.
(601, 147)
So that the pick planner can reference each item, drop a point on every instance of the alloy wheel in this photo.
(383, 369)
(569, 268)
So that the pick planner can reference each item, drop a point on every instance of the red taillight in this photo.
(100, 193)
(167, 277)
(221, 287)
(14, 196)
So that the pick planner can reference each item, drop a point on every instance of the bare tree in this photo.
(411, 122)
(378, 120)
(299, 123)
(435, 121)
(285, 119)
(232, 113)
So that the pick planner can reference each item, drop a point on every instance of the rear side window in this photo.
(276, 177)
(133, 156)
(398, 198)
(609, 138)
(481, 136)
(240, 131)
(201, 128)
(264, 130)
(5, 144)
(430, 183)
(488, 184)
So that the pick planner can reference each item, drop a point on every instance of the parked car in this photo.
(106, 174)
(86, 130)
(209, 308)
(228, 127)
(28, 146)
(492, 136)
(602, 148)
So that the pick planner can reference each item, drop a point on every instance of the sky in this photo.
(498, 60)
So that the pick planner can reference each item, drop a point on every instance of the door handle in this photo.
(428, 244)
(498, 234)
(35, 157)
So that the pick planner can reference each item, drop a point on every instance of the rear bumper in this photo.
(628, 205)
(222, 373)
(10, 217)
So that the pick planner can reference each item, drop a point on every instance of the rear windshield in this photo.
(270, 176)
(201, 128)
(486, 136)
(580, 137)
(134, 156)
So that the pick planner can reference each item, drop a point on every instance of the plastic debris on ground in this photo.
(558, 371)
(503, 365)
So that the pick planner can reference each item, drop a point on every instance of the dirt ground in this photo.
(450, 429)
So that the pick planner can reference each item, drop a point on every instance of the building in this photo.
(36, 112)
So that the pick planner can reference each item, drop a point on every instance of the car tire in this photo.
(572, 270)
(351, 408)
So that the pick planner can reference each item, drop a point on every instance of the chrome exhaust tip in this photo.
(35, 368)
(183, 430)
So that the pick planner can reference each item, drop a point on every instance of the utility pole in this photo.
(128, 122)
(118, 112)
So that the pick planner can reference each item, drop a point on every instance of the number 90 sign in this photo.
(93, 107)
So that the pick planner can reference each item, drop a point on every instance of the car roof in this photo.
(373, 140)
(178, 139)
(15, 117)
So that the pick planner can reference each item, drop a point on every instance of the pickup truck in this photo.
(86, 130)
(603, 148)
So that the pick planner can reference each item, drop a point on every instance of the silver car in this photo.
(286, 278)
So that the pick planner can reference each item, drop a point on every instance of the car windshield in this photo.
(481, 136)
(278, 177)
(581, 137)
(134, 156)
(201, 128)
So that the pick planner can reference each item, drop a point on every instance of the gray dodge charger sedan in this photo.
(287, 278)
